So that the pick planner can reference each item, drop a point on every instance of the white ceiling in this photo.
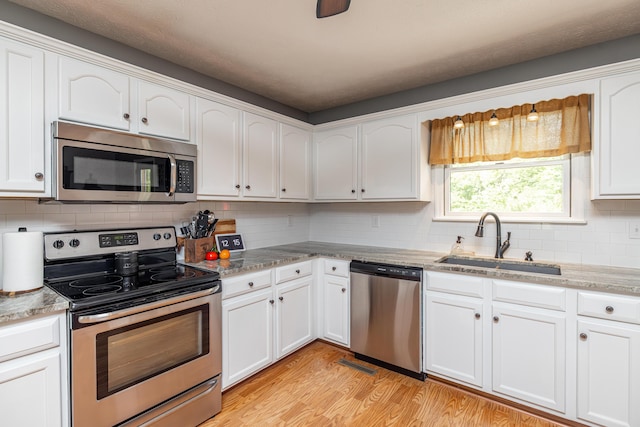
(278, 49)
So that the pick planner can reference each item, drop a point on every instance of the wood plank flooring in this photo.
(310, 388)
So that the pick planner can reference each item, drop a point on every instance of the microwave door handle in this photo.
(173, 175)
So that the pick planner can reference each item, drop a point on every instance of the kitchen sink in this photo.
(500, 264)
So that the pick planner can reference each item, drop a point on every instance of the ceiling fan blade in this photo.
(331, 7)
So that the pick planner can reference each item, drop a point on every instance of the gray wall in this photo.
(587, 57)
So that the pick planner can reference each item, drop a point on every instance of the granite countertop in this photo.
(28, 304)
(598, 278)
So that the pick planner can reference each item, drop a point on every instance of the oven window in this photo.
(134, 353)
(87, 169)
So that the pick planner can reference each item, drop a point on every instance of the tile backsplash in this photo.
(604, 240)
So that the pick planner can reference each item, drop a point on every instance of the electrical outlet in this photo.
(375, 221)
(634, 230)
(290, 220)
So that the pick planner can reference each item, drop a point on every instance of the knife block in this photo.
(195, 249)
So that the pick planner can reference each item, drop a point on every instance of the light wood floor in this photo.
(310, 388)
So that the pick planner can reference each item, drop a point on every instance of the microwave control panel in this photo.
(186, 176)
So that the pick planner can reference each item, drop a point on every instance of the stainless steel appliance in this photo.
(386, 316)
(100, 165)
(145, 331)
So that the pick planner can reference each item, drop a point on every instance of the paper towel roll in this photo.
(22, 256)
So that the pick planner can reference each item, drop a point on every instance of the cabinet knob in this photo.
(353, 191)
(248, 187)
(297, 271)
(251, 284)
(126, 116)
(477, 315)
(609, 309)
(496, 319)
(334, 268)
(39, 176)
(144, 120)
(281, 298)
(344, 290)
(271, 301)
(284, 190)
(583, 336)
(362, 191)
(238, 186)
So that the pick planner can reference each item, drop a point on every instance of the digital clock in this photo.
(231, 242)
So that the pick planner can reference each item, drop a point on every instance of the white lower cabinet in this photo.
(32, 373)
(454, 336)
(529, 355)
(265, 319)
(336, 301)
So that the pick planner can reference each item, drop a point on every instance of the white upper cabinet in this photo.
(219, 149)
(93, 95)
(373, 161)
(22, 130)
(295, 163)
(260, 157)
(163, 112)
(616, 152)
(99, 96)
(336, 164)
(389, 159)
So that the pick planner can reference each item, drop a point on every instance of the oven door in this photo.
(87, 171)
(123, 363)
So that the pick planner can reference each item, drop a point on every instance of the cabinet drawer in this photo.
(238, 285)
(336, 267)
(293, 271)
(607, 306)
(29, 337)
(532, 295)
(454, 284)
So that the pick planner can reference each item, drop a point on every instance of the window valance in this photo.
(562, 127)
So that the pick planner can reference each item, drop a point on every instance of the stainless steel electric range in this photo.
(145, 330)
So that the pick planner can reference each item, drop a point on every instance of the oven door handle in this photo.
(103, 317)
(173, 178)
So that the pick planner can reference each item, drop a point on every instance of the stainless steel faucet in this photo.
(501, 248)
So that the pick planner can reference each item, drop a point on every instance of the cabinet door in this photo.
(336, 309)
(163, 112)
(295, 161)
(260, 157)
(336, 168)
(30, 390)
(22, 130)
(619, 145)
(389, 159)
(529, 355)
(247, 335)
(94, 95)
(609, 373)
(453, 337)
(294, 316)
(219, 160)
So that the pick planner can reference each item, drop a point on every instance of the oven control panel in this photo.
(76, 244)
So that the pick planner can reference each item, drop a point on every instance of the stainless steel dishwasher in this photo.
(386, 316)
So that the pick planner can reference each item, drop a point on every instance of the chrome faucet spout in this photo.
(500, 248)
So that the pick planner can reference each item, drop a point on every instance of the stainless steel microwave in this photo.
(99, 165)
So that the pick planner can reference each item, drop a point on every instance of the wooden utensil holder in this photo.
(195, 249)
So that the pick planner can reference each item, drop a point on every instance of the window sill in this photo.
(513, 220)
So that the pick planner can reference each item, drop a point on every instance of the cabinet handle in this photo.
(144, 120)
(251, 284)
(126, 116)
(238, 186)
(39, 175)
(334, 268)
(248, 187)
(344, 290)
(496, 319)
(609, 309)
(271, 301)
(477, 315)
(281, 298)
(297, 271)
(583, 336)
(284, 190)
(353, 191)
